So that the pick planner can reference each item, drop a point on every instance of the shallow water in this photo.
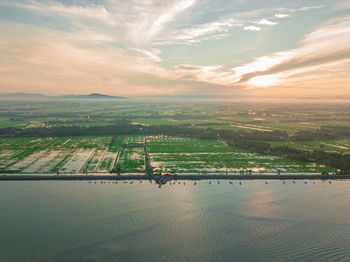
(78, 221)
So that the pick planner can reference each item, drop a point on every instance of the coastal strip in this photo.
(13, 177)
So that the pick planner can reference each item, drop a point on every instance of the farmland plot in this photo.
(41, 162)
(51, 166)
(120, 140)
(6, 153)
(44, 142)
(77, 161)
(167, 144)
(94, 162)
(337, 146)
(84, 142)
(133, 139)
(188, 155)
(20, 165)
(107, 162)
(131, 159)
(6, 158)
(18, 143)
(166, 153)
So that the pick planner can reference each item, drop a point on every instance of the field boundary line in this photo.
(58, 155)
(40, 157)
(65, 160)
(87, 161)
(100, 161)
(116, 159)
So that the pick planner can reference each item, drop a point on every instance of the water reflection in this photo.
(83, 221)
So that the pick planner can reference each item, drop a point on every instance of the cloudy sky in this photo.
(145, 48)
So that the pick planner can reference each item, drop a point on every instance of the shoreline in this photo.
(172, 177)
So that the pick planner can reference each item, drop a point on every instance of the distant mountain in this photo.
(41, 96)
(92, 96)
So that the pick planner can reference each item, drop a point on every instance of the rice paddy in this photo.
(55, 155)
(187, 155)
(127, 154)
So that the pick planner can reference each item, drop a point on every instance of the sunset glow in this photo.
(264, 81)
(177, 47)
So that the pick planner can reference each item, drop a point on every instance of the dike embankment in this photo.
(19, 177)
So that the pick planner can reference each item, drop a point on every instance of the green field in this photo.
(131, 159)
(289, 118)
(51, 155)
(187, 155)
(337, 146)
(70, 155)
(79, 142)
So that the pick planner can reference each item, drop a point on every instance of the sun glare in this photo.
(264, 81)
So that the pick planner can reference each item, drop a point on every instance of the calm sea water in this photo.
(78, 221)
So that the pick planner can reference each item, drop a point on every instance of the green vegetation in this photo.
(337, 146)
(93, 136)
(186, 155)
(167, 154)
(131, 159)
(287, 118)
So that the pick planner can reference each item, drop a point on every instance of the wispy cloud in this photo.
(252, 28)
(266, 22)
(282, 15)
(151, 54)
(154, 17)
(328, 47)
(287, 12)
(65, 62)
(213, 30)
(142, 20)
(330, 43)
(97, 12)
(142, 46)
(303, 8)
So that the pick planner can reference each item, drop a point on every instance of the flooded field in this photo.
(127, 154)
(186, 155)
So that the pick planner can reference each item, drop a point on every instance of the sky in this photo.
(176, 48)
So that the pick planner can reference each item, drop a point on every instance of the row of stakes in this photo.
(174, 183)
